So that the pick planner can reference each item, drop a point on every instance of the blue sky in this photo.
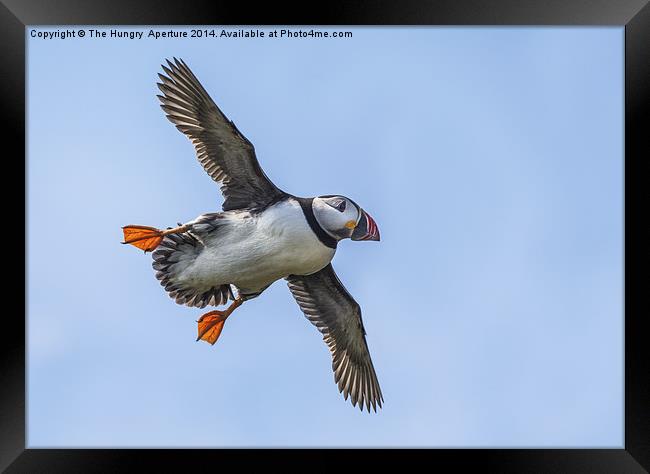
(492, 161)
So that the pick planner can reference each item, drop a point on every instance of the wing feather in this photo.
(225, 154)
(328, 306)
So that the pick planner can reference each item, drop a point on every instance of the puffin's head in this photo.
(342, 218)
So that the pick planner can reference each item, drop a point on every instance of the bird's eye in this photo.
(336, 203)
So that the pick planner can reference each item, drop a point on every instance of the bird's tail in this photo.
(176, 253)
(174, 250)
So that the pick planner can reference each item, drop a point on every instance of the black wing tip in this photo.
(175, 66)
(168, 71)
(367, 404)
(365, 399)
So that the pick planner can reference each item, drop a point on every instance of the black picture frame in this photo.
(634, 15)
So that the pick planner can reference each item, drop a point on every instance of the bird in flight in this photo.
(263, 234)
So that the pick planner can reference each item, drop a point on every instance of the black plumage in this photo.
(329, 307)
(225, 154)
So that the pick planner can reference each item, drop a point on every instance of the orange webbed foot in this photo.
(143, 237)
(211, 325)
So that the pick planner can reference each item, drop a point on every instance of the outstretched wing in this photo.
(329, 307)
(226, 154)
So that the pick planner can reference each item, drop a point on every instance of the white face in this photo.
(337, 215)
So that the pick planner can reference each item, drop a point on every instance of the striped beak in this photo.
(366, 229)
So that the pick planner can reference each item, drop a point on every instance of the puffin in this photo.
(261, 235)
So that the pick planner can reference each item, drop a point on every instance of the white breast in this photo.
(256, 250)
(295, 247)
